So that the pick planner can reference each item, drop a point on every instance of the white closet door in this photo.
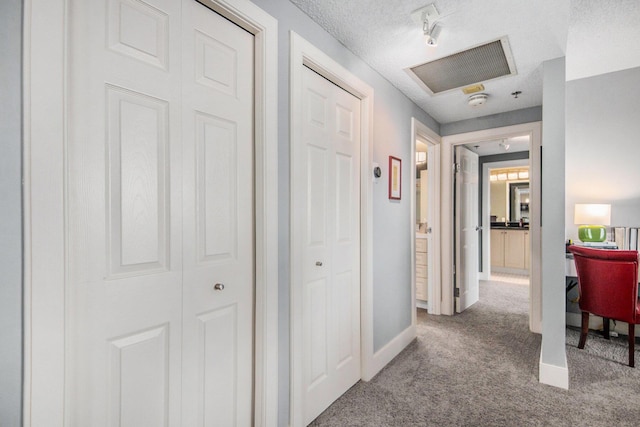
(217, 134)
(135, 281)
(124, 286)
(331, 243)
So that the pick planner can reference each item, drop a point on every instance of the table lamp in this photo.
(591, 219)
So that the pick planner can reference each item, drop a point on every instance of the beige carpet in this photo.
(480, 368)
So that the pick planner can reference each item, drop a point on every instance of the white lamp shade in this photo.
(592, 214)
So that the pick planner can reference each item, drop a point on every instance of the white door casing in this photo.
(466, 228)
(147, 168)
(534, 130)
(329, 164)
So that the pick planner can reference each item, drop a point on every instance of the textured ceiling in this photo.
(604, 36)
(382, 33)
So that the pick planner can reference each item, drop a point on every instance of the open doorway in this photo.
(482, 138)
(503, 209)
(425, 214)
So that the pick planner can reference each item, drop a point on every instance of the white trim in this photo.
(303, 54)
(486, 223)
(420, 130)
(386, 354)
(44, 243)
(45, 76)
(534, 129)
(557, 376)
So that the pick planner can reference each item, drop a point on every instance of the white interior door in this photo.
(431, 214)
(158, 212)
(330, 297)
(466, 211)
(217, 135)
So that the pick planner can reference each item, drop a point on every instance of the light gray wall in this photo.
(516, 117)
(603, 146)
(10, 214)
(553, 194)
(391, 220)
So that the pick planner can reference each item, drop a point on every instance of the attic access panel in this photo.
(478, 64)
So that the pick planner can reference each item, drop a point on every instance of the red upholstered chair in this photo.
(608, 285)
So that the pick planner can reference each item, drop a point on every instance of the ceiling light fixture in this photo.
(427, 16)
(504, 145)
(430, 33)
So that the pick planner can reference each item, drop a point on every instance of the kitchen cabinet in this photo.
(527, 251)
(510, 249)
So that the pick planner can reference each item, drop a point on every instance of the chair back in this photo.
(608, 282)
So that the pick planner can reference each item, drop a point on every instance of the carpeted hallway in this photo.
(480, 368)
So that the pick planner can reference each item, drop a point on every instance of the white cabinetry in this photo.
(510, 250)
(421, 269)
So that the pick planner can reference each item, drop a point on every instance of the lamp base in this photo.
(592, 233)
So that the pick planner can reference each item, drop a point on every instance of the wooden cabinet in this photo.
(514, 249)
(497, 248)
(527, 251)
(510, 249)
(421, 269)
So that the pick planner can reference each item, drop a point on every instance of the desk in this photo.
(570, 266)
(570, 273)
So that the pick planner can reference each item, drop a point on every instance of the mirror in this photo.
(509, 194)
(519, 201)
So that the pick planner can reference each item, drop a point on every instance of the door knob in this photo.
(218, 287)
(429, 230)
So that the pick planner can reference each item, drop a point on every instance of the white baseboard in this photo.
(557, 376)
(386, 354)
(422, 304)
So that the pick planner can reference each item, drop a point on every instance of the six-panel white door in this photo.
(158, 211)
(467, 229)
(217, 137)
(330, 303)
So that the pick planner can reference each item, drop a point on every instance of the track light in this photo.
(431, 33)
(424, 16)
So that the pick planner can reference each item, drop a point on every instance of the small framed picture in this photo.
(395, 178)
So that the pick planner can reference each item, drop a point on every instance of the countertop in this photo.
(511, 227)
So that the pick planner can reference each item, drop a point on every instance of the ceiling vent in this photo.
(478, 64)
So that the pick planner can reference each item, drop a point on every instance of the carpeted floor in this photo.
(480, 368)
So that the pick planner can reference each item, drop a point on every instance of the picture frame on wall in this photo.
(395, 178)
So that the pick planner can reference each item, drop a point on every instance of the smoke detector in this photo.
(477, 99)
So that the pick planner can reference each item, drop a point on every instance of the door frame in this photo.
(304, 54)
(434, 290)
(534, 130)
(46, 80)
